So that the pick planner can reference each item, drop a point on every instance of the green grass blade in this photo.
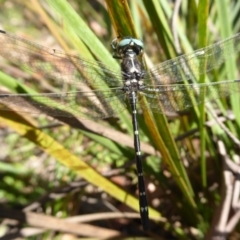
(203, 9)
(226, 30)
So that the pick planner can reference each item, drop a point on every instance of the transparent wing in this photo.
(172, 98)
(82, 105)
(56, 66)
(190, 66)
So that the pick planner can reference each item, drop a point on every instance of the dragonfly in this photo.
(89, 89)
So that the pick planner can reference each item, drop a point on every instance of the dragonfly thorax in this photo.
(132, 72)
(128, 49)
(131, 67)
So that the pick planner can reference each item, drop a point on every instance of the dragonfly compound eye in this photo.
(126, 45)
(129, 43)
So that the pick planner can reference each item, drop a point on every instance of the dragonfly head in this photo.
(127, 46)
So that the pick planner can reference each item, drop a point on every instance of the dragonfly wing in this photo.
(172, 98)
(58, 67)
(82, 105)
(190, 66)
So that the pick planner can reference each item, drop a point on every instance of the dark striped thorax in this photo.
(128, 50)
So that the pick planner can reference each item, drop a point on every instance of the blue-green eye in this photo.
(130, 41)
(127, 44)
